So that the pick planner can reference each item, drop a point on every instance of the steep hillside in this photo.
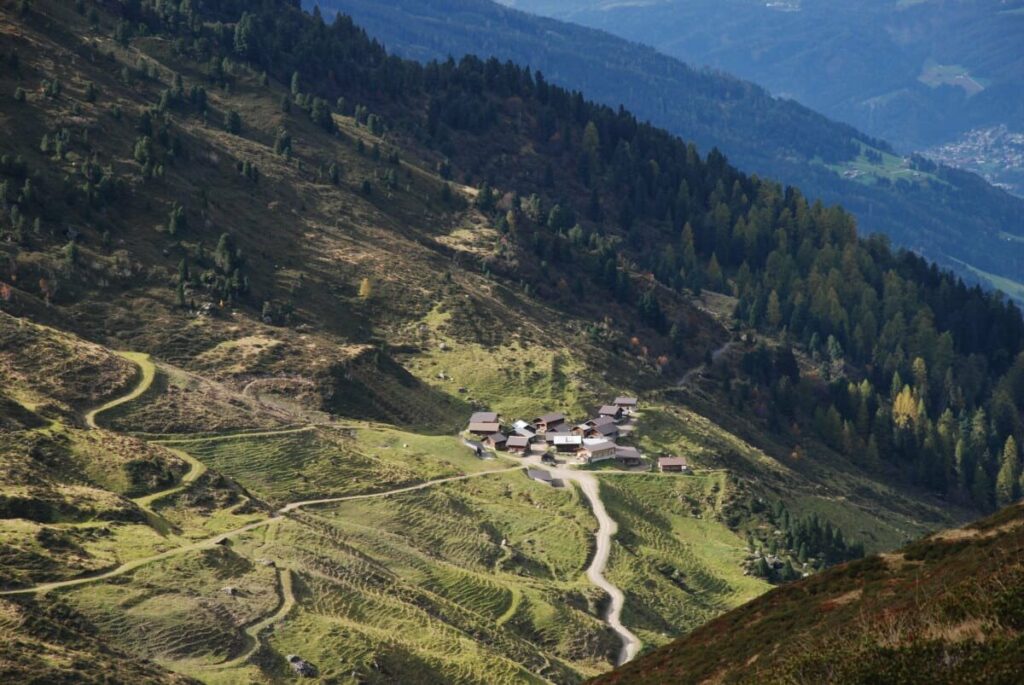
(946, 609)
(256, 275)
(928, 208)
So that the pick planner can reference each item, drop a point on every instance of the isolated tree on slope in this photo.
(1009, 474)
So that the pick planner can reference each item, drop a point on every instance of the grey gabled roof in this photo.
(625, 401)
(606, 428)
(539, 474)
(550, 418)
(484, 417)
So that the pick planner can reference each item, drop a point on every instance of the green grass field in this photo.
(677, 563)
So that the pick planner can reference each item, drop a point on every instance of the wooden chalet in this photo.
(626, 404)
(484, 428)
(517, 444)
(496, 441)
(628, 456)
(547, 422)
(596, 450)
(484, 417)
(611, 411)
(672, 465)
(608, 431)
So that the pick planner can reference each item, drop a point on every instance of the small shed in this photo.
(628, 456)
(612, 411)
(539, 475)
(672, 465)
(496, 441)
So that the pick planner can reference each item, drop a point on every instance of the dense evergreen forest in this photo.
(919, 204)
(924, 373)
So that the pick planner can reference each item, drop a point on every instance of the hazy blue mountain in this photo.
(951, 216)
(923, 74)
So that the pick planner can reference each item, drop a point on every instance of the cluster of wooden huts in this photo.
(588, 442)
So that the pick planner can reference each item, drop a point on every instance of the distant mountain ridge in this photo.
(923, 75)
(953, 217)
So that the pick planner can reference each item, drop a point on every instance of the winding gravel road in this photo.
(606, 529)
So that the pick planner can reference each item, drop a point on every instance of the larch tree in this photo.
(1009, 474)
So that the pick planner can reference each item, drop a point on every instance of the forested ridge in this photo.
(924, 373)
(923, 206)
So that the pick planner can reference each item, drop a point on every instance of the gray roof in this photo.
(497, 437)
(539, 474)
(609, 409)
(518, 441)
(625, 401)
(623, 452)
(599, 446)
(550, 418)
(606, 428)
(671, 461)
(484, 417)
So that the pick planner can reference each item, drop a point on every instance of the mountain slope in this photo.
(918, 73)
(315, 260)
(946, 609)
(948, 215)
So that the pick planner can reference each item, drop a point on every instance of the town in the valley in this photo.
(557, 440)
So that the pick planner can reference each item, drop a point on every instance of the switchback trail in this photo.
(211, 542)
(197, 468)
(148, 370)
(255, 631)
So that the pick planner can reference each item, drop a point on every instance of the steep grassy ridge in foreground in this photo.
(946, 609)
